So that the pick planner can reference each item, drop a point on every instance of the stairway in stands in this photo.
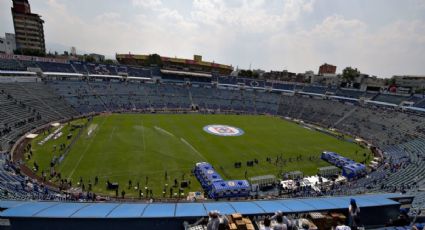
(190, 96)
(73, 67)
(345, 116)
(41, 101)
(95, 93)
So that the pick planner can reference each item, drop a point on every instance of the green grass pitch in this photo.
(137, 147)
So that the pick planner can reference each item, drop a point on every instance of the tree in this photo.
(154, 60)
(246, 73)
(30, 52)
(349, 74)
(109, 62)
(88, 58)
(420, 91)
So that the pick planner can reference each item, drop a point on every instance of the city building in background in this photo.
(29, 30)
(283, 75)
(97, 57)
(73, 51)
(327, 69)
(7, 44)
(413, 82)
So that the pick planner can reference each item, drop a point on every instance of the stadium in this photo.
(156, 142)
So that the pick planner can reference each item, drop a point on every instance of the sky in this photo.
(379, 37)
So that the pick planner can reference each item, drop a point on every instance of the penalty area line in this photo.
(159, 129)
(193, 148)
(112, 133)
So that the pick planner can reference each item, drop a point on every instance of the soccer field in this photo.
(145, 148)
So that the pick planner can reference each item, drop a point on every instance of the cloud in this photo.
(294, 8)
(297, 35)
(108, 16)
(350, 42)
(248, 16)
(336, 26)
(148, 4)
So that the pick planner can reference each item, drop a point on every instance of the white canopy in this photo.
(31, 136)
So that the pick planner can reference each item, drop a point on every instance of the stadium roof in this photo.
(139, 78)
(63, 74)
(40, 209)
(177, 72)
(105, 76)
(16, 72)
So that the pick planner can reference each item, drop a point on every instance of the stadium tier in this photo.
(65, 92)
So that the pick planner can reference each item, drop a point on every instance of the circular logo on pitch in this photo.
(223, 130)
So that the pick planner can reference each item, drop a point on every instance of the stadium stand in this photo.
(394, 99)
(14, 186)
(79, 67)
(383, 129)
(397, 131)
(11, 64)
(314, 89)
(420, 103)
(26, 106)
(349, 93)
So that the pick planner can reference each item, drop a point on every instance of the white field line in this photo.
(193, 149)
(85, 151)
(112, 133)
(143, 137)
(164, 131)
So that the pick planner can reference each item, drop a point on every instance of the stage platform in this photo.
(42, 211)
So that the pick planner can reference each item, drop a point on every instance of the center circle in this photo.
(223, 130)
